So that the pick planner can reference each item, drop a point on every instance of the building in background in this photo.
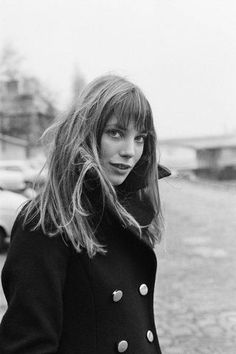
(25, 112)
(210, 157)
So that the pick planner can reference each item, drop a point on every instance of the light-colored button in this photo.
(122, 346)
(150, 336)
(117, 295)
(143, 289)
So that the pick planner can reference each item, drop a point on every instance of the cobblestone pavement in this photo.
(195, 297)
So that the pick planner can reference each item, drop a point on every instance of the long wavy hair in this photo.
(63, 206)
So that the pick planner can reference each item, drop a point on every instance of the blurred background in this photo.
(182, 53)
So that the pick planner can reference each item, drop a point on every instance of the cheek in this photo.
(105, 148)
(139, 153)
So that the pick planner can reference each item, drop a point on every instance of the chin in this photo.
(116, 181)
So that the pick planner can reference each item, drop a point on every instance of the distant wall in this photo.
(217, 158)
(227, 157)
(179, 158)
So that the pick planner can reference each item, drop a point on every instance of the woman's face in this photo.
(121, 148)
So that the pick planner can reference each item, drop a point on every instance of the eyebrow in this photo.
(121, 127)
(116, 125)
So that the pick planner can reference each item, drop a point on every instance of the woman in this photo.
(80, 271)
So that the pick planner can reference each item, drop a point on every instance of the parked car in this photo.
(12, 180)
(10, 205)
(27, 168)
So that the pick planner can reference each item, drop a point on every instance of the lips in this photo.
(121, 166)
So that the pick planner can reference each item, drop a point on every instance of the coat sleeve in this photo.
(33, 280)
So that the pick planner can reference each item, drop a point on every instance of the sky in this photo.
(182, 53)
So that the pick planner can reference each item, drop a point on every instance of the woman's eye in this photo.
(114, 133)
(140, 138)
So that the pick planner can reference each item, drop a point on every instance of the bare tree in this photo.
(10, 63)
(78, 83)
(27, 107)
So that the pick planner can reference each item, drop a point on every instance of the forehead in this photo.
(113, 121)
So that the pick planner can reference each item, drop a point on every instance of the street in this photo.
(195, 295)
(195, 301)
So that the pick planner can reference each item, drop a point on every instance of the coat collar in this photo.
(136, 180)
(140, 208)
(130, 194)
(135, 202)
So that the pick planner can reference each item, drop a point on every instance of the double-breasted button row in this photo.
(118, 294)
(122, 346)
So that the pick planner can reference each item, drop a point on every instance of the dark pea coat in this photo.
(61, 301)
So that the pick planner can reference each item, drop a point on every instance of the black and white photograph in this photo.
(117, 176)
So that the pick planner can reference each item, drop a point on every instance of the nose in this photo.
(128, 149)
